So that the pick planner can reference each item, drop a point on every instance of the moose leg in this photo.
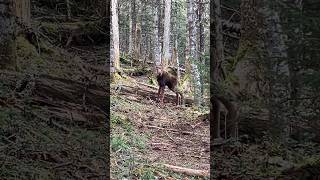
(161, 94)
(177, 98)
(159, 90)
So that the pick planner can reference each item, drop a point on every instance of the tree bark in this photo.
(201, 39)
(133, 29)
(156, 41)
(193, 51)
(166, 33)
(219, 48)
(115, 35)
(23, 12)
(7, 35)
(277, 69)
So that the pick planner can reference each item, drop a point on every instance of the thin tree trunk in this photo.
(156, 42)
(7, 35)
(133, 29)
(201, 40)
(166, 33)
(130, 29)
(293, 60)
(68, 10)
(23, 12)
(219, 38)
(193, 51)
(137, 33)
(177, 60)
(115, 35)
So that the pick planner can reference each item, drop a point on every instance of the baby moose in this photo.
(168, 78)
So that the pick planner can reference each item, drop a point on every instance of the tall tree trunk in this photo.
(296, 55)
(115, 35)
(201, 30)
(137, 49)
(177, 60)
(201, 40)
(161, 25)
(219, 48)
(108, 38)
(68, 9)
(193, 51)
(166, 33)
(23, 12)
(7, 35)
(133, 29)
(156, 41)
(277, 69)
(130, 28)
(216, 57)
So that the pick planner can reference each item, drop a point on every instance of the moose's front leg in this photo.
(158, 97)
(161, 94)
(177, 99)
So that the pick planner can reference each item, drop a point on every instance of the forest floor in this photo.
(144, 135)
(53, 123)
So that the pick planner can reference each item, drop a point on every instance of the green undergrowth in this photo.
(127, 149)
(268, 159)
(31, 147)
(44, 58)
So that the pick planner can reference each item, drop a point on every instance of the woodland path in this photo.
(176, 135)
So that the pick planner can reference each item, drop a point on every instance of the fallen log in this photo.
(84, 103)
(187, 171)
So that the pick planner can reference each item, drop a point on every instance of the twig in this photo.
(173, 130)
(170, 137)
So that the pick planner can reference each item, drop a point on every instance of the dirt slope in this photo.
(175, 135)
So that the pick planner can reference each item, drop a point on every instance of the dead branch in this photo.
(187, 171)
(174, 130)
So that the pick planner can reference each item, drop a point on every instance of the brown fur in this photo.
(164, 79)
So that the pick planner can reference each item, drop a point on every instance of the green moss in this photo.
(124, 59)
(312, 160)
(27, 53)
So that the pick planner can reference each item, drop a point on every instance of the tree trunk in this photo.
(156, 41)
(166, 33)
(115, 35)
(216, 57)
(130, 29)
(277, 69)
(108, 53)
(23, 12)
(219, 48)
(176, 55)
(193, 51)
(68, 9)
(133, 29)
(201, 40)
(7, 35)
(296, 55)
(137, 33)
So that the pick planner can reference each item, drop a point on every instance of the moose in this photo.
(167, 77)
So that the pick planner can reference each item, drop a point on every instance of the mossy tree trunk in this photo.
(7, 35)
(23, 12)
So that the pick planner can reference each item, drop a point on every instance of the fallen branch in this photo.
(187, 171)
(174, 130)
